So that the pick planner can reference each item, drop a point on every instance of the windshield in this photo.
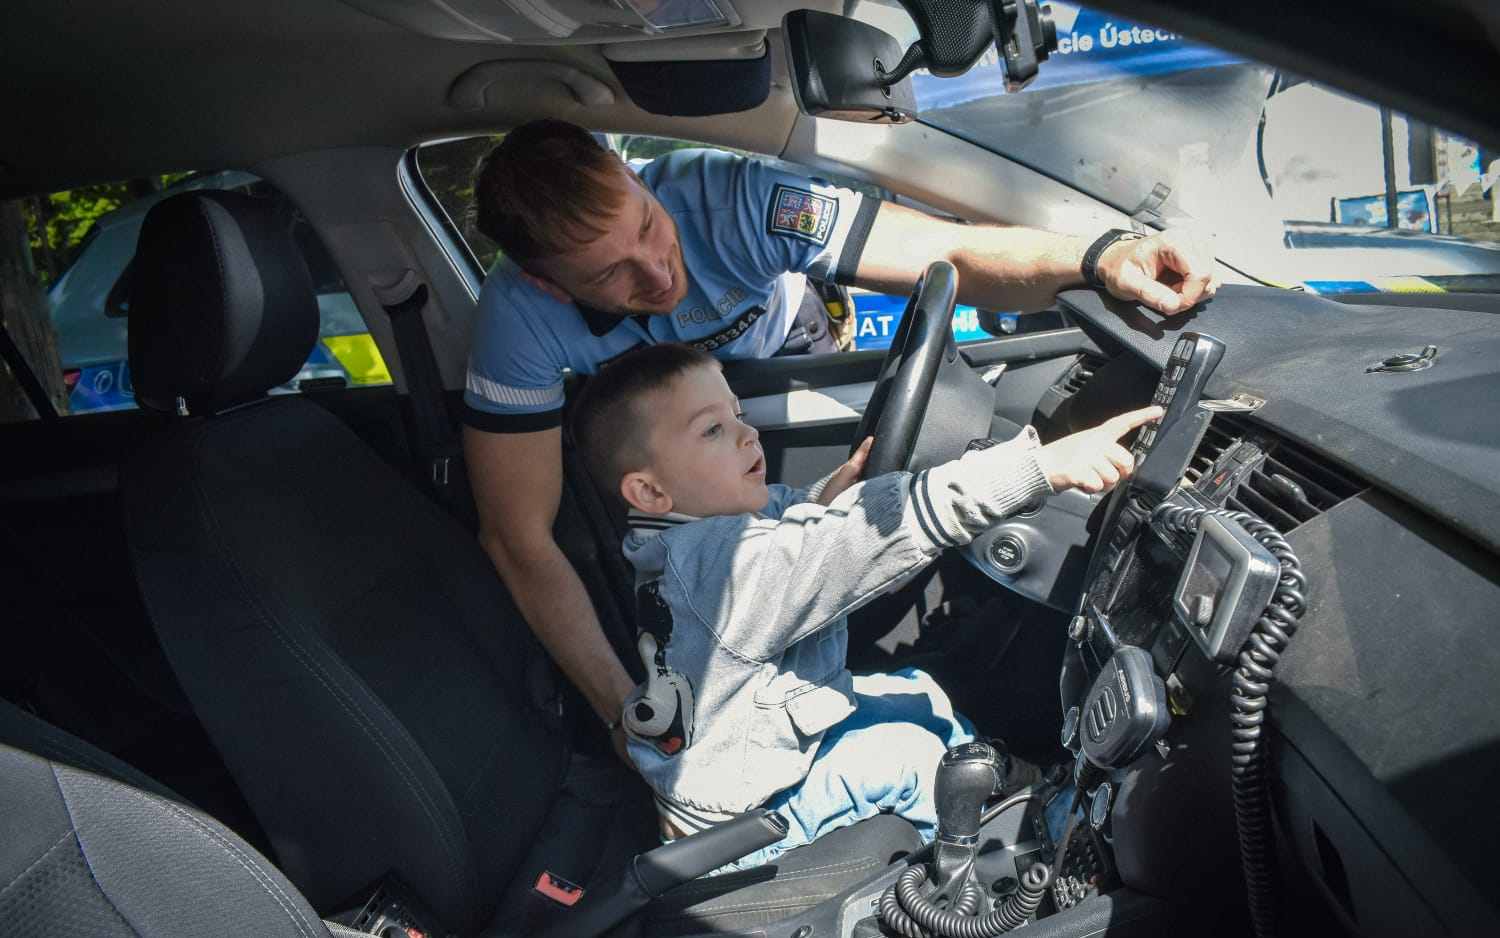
(1291, 179)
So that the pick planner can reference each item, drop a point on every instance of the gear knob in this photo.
(966, 777)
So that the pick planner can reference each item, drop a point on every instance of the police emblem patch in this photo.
(802, 214)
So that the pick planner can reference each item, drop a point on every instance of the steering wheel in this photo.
(898, 404)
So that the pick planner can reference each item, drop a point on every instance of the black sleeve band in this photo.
(854, 244)
(510, 423)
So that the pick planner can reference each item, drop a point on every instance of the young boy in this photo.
(743, 590)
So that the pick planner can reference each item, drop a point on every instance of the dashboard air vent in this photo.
(1079, 374)
(1290, 487)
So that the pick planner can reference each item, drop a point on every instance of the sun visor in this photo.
(694, 77)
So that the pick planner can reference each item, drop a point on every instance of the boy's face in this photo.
(704, 461)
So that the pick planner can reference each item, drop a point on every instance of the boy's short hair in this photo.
(548, 187)
(609, 427)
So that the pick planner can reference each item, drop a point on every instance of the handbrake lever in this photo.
(651, 874)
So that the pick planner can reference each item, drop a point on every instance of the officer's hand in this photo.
(1093, 460)
(1169, 272)
(847, 474)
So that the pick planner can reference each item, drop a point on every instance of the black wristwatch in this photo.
(1097, 249)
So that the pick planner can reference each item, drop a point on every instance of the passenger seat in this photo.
(84, 856)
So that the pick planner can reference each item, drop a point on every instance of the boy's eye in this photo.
(713, 431)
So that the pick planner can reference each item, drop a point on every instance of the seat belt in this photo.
(31, 386)
(429, 427)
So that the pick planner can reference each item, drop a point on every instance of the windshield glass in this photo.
(1291, 179)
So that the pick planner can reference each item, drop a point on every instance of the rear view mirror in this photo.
(837, 67)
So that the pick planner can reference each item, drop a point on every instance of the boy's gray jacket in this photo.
(758, 605)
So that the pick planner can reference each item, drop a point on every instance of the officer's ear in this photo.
(547, 287)
(642, 492)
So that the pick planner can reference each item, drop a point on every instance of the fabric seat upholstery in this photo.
(83, 856)
(365, 675)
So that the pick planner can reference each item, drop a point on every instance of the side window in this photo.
(447, 169)
(80, 242)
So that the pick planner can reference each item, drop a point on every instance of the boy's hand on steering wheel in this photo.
(1093, 460)
(847, 474)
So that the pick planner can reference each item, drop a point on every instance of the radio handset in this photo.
(1164, 450)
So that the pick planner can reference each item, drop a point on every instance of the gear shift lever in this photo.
(966, 778)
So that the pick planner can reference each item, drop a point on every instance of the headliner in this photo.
(101, 90)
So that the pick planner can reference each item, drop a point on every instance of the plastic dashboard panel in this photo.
(1388, 736)
(1386, 692)
(1431, 436)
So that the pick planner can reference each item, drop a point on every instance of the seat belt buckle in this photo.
(559, 890)
(440, 471)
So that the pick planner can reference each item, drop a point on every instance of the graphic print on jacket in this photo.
(663, 715)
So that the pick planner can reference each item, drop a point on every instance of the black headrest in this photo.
(221, 305)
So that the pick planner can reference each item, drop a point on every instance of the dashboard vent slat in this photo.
(1262, 484)
(1325, 477)
(1079, 374)
(1291, 487)
(1268, 510)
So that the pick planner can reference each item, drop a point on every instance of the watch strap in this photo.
(1096, 250)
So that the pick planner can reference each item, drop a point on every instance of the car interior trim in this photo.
(439, 226)
(807, 407)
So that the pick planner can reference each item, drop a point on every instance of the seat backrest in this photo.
(349, 648)
(83, 856)
(23, 730)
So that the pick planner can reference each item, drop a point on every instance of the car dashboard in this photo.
(1377, 735)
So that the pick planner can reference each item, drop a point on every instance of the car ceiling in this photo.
(99, 90)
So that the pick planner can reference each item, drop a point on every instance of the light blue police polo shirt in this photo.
(749, 232)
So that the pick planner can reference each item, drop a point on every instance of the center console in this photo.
(1178, 590)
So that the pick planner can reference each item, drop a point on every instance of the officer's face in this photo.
(635, 267)
(704, 461)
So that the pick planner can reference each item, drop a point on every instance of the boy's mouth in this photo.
(759, 468)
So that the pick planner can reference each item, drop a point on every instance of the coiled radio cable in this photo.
(913, 915)
(1253, 675)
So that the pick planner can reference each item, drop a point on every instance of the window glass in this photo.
(1291, 178)
(447, 169)
(80, 242)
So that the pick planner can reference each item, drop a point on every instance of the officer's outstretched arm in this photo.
(1011, 268)
(517, 481)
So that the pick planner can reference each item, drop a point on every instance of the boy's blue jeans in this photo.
(881, 758)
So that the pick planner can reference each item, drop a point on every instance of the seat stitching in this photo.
(83, 854)
(363, 721)
(44, 854)
(250, 865)
(345, 701)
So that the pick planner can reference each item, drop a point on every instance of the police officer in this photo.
(712, 249)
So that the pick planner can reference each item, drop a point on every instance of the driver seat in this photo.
(347, 645)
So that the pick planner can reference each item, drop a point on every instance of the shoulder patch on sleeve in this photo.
(799, 213)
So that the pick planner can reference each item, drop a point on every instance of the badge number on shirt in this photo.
(802, 214)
